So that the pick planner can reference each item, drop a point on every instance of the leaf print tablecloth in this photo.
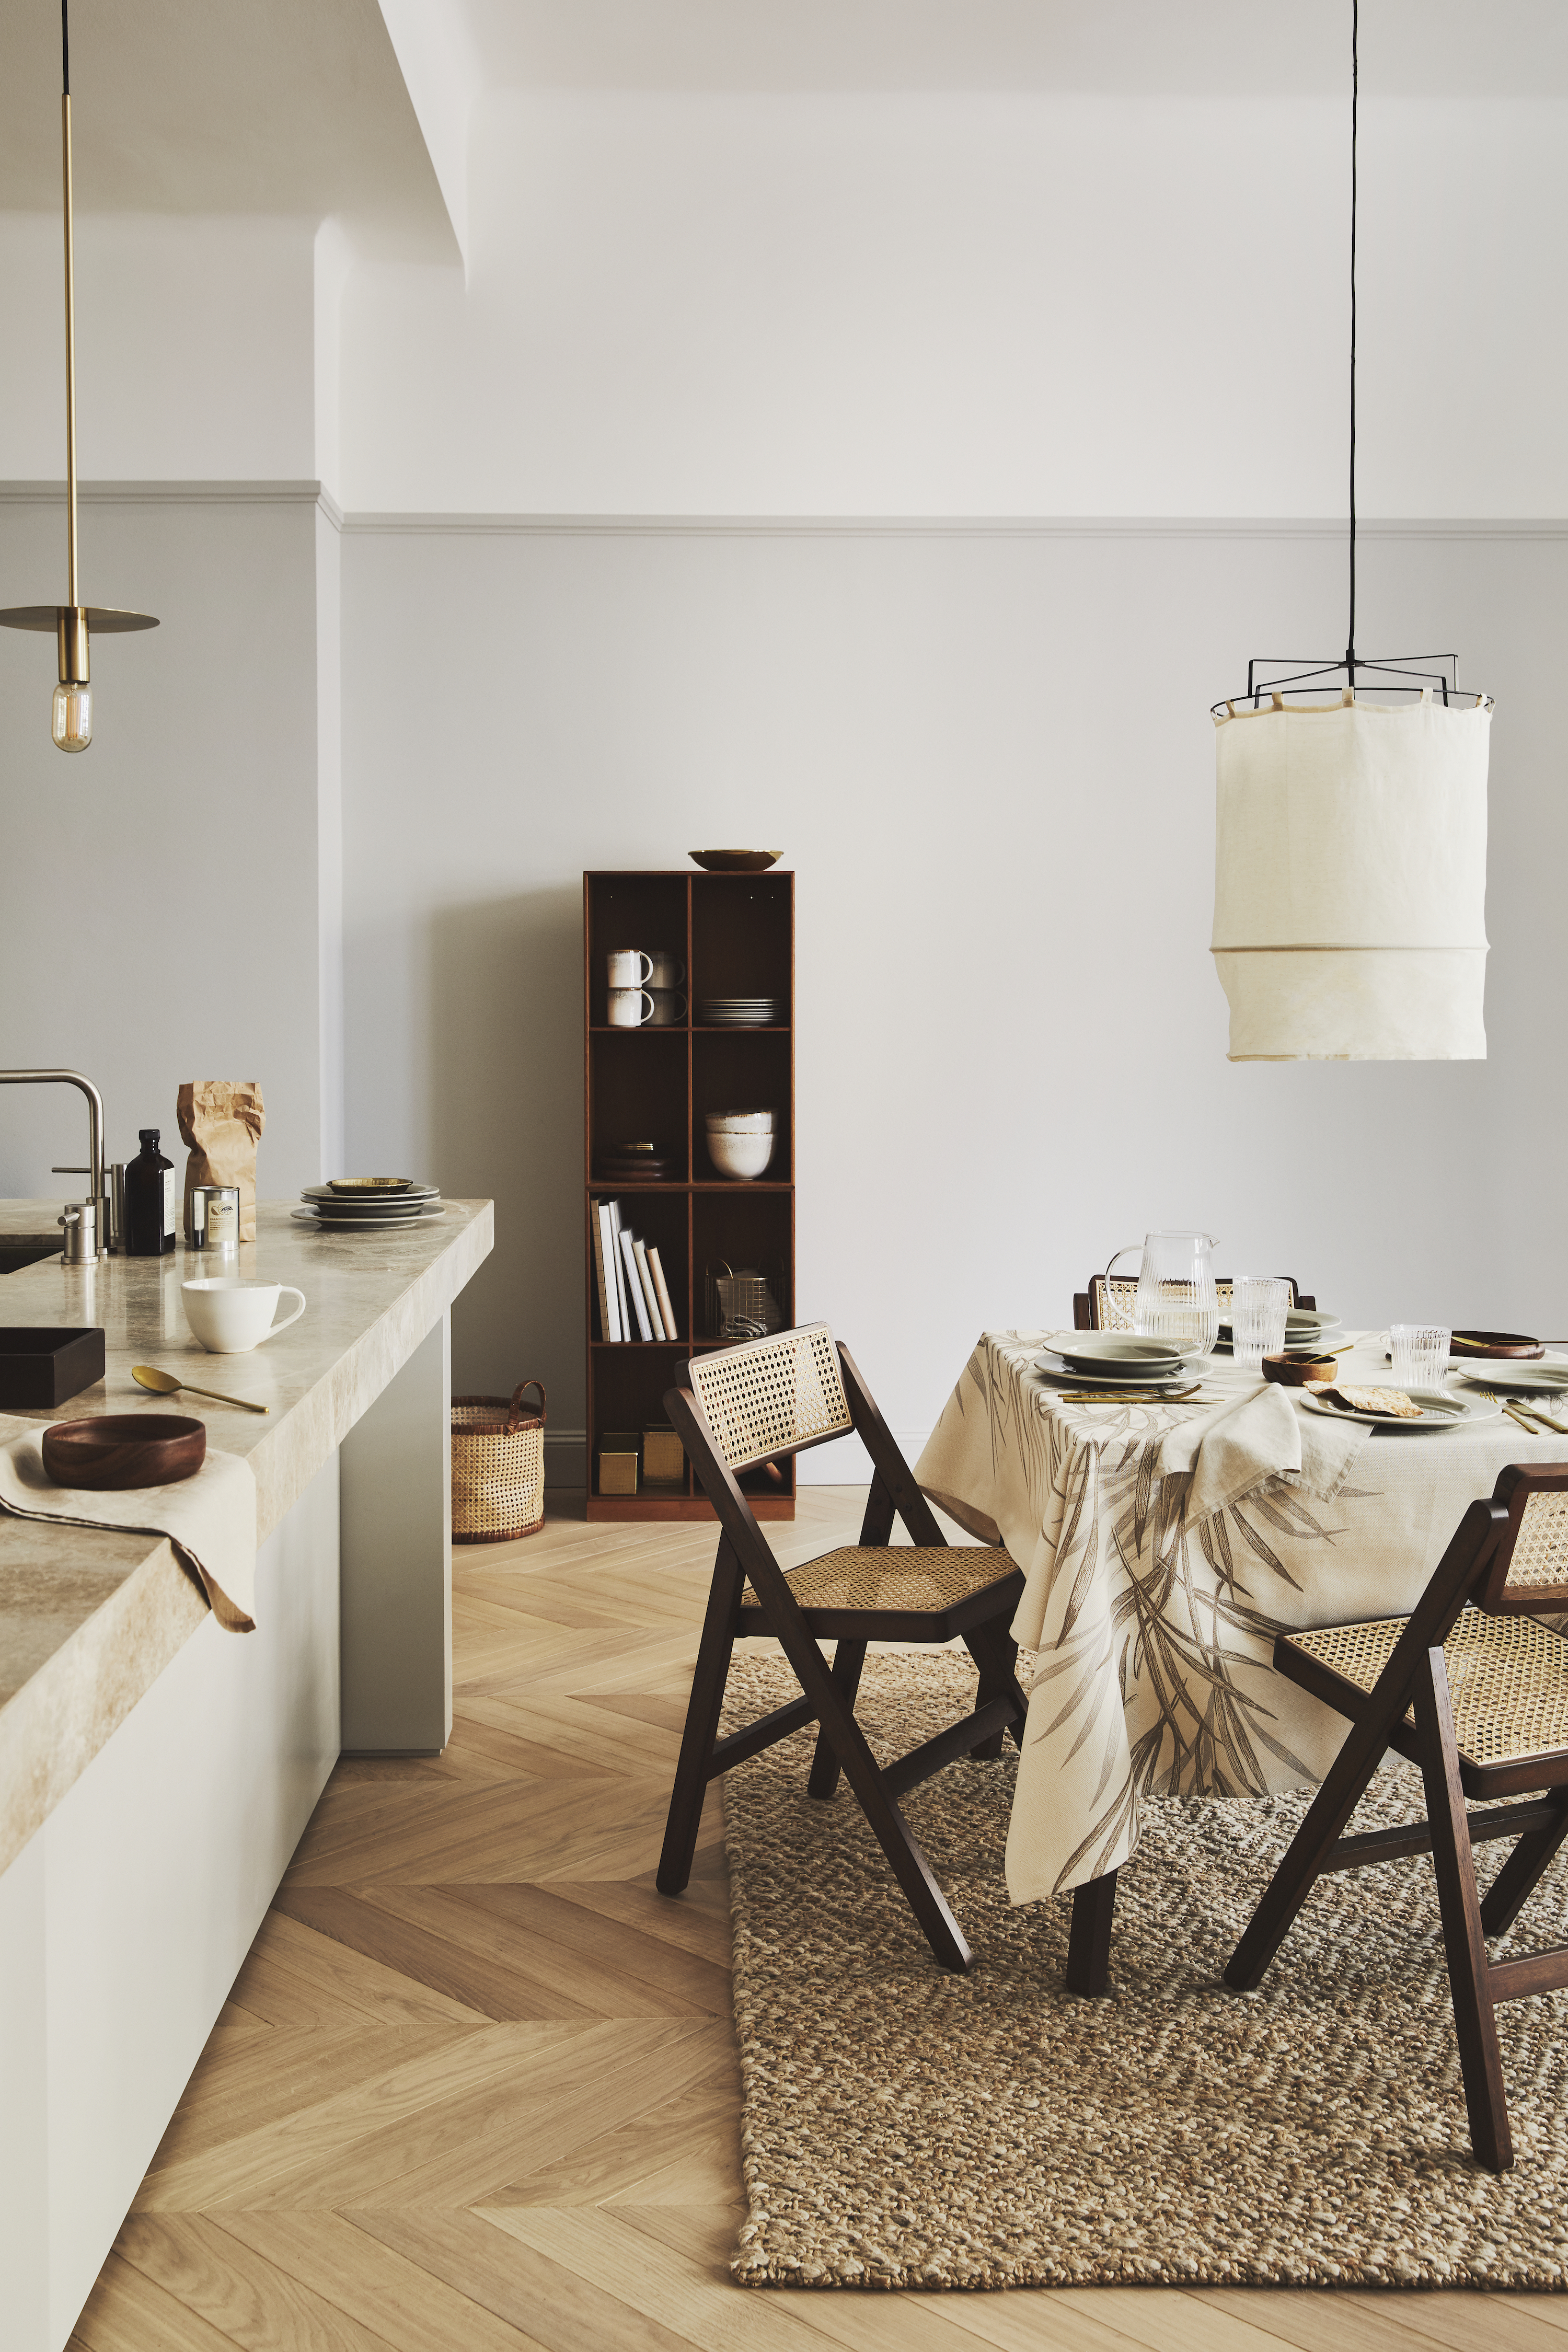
(1152, 1634)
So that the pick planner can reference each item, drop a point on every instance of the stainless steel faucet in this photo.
(94, 1148)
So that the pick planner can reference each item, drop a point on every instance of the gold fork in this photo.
(1526, 1415)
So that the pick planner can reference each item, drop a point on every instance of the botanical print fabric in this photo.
(1151, 1633)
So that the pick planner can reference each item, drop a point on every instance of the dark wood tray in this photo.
(1517, 1344)
(122, 1449)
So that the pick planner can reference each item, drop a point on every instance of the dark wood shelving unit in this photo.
(735, 935)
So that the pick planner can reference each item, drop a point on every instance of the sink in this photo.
(17, 1250)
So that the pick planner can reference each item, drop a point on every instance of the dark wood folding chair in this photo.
(736, 1409)
(1474, 1689)
(1108, 1304)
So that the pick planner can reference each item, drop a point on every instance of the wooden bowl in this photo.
(122, 1449)
(351, 1184)
(1294, 1370)
(735, 861)
(1482, 1344)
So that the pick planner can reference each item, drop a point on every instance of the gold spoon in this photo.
(148, 1375)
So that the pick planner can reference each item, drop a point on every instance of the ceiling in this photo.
(1462, 48)
(220, 106)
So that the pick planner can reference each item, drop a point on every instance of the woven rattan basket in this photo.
(498, 1467)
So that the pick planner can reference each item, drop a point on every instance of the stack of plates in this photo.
(399, 1203)
(636, 1163)
(1304, 1330)
(737, 1012)
(1113, 1360)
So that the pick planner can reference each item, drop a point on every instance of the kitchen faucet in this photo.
(94, 1150)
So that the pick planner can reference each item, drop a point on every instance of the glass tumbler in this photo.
(1420, 1353)
(1260, 1304)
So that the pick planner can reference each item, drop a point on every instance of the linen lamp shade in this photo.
(1350, 880)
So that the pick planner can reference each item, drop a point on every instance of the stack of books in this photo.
(633, 1298)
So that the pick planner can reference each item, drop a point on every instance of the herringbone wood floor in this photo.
(476, 2088)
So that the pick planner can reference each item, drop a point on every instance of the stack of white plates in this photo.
(737, 1012)
(1113, 1360)
(407, 1203)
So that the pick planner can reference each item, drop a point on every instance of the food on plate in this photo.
(1391, 1401)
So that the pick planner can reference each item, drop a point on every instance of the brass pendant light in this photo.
(71, 622)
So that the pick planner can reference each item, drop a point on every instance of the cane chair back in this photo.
(1530, 1567)
(773, 1396)
(1111, 1300)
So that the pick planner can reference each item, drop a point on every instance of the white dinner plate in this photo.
(364, 1224)
(329, 1198)
(1440, 1410)
(1524, 1376)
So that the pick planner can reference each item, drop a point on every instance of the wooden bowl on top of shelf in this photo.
(735, 861)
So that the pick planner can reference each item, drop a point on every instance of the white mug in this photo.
(627, 968)
(624, 1004)
(667, 972)
(229, 1315)
(669, 1008)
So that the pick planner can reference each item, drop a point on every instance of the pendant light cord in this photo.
(65, 49)
(1355, 99)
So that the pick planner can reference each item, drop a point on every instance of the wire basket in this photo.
(741, 1303)
(498, 1467)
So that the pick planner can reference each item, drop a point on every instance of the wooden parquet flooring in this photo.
(475, 2087)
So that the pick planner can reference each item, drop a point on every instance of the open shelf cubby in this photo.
(734, 935)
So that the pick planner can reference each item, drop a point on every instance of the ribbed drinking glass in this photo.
(1420, 1353)
(1260, 1304)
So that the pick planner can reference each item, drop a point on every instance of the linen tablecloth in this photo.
(1152, 1628)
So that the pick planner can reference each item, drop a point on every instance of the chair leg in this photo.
(849, 1657)
(1340, 1793)
(1521, 1875)
(1088, 1938)
(702, 1712)
(996, 1655)
(1474, 2021)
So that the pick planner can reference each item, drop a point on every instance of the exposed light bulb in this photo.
(72, 726)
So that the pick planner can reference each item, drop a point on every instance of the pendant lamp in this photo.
(71, 623)
(1351, 844)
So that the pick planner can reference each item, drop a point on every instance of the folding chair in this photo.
(1473, 1689)
(742, 1406)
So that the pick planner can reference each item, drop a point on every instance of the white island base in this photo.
(125, 1917)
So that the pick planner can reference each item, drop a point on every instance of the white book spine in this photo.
(615, 1209)
(609, 1288)
(632, 1284)
(662, 1288)
(650, 1295)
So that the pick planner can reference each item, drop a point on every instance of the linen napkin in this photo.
(210, 1520)
(1247, 1439)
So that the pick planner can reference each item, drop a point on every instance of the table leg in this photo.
(1088, 1940)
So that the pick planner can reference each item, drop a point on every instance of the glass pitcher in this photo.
(1176, 1297)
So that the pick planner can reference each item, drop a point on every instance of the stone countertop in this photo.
(89, 1618)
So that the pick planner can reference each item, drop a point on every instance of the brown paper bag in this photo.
(221, 1120)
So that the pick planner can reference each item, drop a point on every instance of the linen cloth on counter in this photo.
(209, 1520)
(1151, 1621)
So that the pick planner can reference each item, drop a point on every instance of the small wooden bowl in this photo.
(122, 1449)
(1482, 1344)
(1296, 1371)
(735, 861)
(352, 1184)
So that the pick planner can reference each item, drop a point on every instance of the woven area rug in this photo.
(905, 2127)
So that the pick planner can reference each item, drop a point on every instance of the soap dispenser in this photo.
(149, 1200)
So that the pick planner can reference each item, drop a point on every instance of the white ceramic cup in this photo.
(668, 1007)
(625, 1007)
(667, 972)
(229, 1315)
(629, 968)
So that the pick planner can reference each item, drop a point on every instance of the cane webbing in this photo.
(1540, 1554)
(1115, 1299)
(907, 1577)
(1507, 1678)
(771, 1394)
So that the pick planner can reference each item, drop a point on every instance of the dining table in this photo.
(1164, 1544)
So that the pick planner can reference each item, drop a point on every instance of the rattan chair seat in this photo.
(908, 1577)
(1508, 1677)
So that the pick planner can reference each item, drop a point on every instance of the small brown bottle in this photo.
(149, 1200)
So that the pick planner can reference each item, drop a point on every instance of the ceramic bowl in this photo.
(744, 1157)
(738, 1122)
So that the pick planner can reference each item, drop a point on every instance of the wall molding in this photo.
(165, 494)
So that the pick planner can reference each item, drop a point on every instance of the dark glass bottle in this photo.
(149, 1200)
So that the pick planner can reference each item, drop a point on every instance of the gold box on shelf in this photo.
(618, 1461)
(663, 1454)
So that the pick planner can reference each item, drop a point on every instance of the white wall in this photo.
(989, 758)
(751, 304)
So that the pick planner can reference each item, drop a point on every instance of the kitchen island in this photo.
(156, 1771)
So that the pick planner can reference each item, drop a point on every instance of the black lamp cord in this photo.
(64, 49)
(1355, 96)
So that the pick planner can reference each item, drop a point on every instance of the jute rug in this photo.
(905, 2127)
